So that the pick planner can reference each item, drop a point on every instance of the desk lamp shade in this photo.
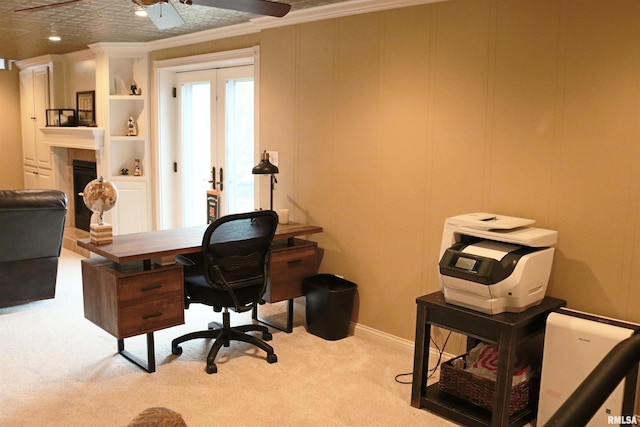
(265, 167)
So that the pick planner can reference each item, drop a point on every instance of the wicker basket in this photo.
(479, 390)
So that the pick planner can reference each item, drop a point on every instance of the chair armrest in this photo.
(185, 261)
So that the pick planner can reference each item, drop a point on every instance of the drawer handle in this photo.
(294, 261)
(151, 287)
(151, 316)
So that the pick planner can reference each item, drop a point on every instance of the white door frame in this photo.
(164, 82)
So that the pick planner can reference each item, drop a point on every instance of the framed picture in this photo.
(86, 107)
(61, 117)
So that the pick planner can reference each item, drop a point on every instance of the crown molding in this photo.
(37, 61)
(229, 58)
(337, 10)
(205, 36)
(121, 48)
(331, 11)
(80, 55)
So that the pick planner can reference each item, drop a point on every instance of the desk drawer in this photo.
(148, 286)
(126, 300)
(289, 265)
(150, 316)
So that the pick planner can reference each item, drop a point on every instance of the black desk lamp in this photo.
(266, 167)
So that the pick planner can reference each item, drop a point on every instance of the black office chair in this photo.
(235, 262)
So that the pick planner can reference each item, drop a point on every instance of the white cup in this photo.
(283, 216)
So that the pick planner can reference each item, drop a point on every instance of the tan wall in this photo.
(10, 135)
(389, 122)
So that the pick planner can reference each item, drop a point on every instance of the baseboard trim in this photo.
(396, 343)
(382, 338)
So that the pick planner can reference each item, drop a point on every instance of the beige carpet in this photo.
(59, 369)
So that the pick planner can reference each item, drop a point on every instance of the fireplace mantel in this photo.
(88, 138)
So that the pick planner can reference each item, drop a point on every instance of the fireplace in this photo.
(83, 173)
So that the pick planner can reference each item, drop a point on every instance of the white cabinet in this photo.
(34, 101)
(35, 178)
(130, 212)
(119, 66)
(41, 87)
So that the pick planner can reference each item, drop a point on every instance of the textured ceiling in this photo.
(25, 34)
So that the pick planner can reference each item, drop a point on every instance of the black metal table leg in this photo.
(289, 326)
(150, 365)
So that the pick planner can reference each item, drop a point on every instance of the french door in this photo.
(216, 150)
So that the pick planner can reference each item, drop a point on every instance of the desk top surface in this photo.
(166, 243)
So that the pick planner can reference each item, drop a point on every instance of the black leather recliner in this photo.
(31, 230)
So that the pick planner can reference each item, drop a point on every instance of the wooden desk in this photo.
(505, 330)
(136, 288)
(159, 244)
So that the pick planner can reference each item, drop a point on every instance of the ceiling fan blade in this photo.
(259, 7)
(44, 6)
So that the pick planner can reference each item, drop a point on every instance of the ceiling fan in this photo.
(258, 7)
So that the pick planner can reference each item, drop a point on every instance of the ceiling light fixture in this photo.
(141, 12)
(55, 38)
(164, 15)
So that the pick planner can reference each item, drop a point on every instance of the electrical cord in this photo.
(397, 378)
(431, 371)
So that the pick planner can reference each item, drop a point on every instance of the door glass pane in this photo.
(196, 151)
(239, 145)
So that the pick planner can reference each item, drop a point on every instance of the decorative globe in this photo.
(100, 196)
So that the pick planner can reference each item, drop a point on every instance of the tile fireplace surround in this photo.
(67, 145)
(71, 233)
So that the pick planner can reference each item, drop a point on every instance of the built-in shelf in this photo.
(88, 138)
(127, 98)
(130, 177)
(127, 138)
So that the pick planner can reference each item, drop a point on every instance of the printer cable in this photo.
(431, 371)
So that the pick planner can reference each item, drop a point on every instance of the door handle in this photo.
(213, 181)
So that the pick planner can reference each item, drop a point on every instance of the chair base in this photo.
(223, 336)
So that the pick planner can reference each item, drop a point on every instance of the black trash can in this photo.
(329, 304)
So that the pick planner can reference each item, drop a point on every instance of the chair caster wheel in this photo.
(211, 369)
(176, 350)
(272, 358)
(266, 336)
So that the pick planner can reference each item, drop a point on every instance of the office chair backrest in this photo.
(235, 249)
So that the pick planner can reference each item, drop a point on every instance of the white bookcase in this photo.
(118, 67)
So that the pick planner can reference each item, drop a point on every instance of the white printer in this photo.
(494, 263)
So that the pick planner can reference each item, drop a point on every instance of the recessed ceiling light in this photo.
(55, 38)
